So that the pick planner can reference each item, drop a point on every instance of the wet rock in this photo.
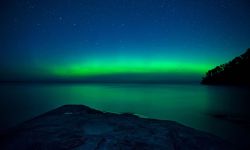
(78, 127)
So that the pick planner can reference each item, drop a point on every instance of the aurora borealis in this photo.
(82, 38)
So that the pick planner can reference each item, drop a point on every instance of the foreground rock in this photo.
(78, 127)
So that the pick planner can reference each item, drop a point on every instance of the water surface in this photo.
(189, 104)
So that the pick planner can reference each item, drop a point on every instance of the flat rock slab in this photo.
(77, 127)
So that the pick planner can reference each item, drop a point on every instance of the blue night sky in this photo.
(79, 38)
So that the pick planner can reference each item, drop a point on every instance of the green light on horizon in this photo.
(109, 67)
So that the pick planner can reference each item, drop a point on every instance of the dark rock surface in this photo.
(78, 127)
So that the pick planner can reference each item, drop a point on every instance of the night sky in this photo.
(78, 38)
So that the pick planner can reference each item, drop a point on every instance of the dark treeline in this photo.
(235, 72)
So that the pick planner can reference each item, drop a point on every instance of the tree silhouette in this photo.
(235, 72)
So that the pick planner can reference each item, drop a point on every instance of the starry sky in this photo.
(83, 38)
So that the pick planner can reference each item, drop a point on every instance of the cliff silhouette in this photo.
(235, 72)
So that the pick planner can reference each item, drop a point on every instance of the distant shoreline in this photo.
(98, 82)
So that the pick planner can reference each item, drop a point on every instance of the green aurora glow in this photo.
(95, 39)
(121, 67)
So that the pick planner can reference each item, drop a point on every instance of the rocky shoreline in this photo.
(78, 127)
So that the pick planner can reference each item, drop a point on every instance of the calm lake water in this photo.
(189, 104)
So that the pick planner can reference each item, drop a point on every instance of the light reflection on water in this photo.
(189, 104)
